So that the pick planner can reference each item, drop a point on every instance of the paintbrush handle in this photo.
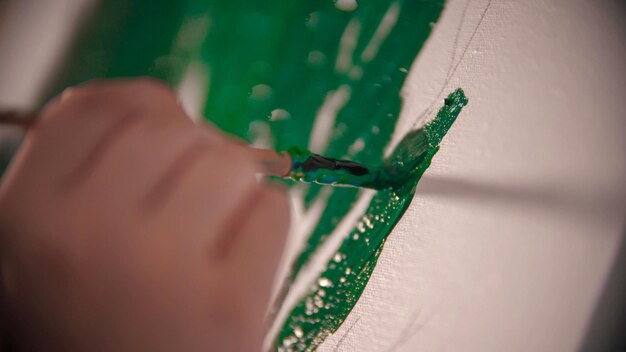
(269, 161)
(314, 168)
(14, 118)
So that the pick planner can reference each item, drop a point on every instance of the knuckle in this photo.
(111, 99)
(245, 165)
(151, 88)
(151, 83)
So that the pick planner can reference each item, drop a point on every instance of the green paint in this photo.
(264, 55)
(372, 114)
(324, 308)
(402, 166)
(310, 167)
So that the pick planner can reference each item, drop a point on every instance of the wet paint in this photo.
(401, 167)
(368, 117)
(310, 167)
(322, 75)
(324, 308)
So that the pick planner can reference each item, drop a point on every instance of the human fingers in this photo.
(78, 123)
(76, 131)
(200, 188)
(249, 248)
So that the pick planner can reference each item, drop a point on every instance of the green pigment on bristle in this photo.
(403, 164)
(396, 170)
(310, 167)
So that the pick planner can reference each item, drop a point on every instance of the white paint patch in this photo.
(347, 44)
(356, 147)
(279, 114)
(382, 32)
(316, 58)
(325, 119)
(313, 20)
(261, 92)
(193, 89)
(193, 33)
(346, 5)
(355, 73)
(261, 135)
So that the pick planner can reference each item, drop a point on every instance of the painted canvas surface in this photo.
(508, 239)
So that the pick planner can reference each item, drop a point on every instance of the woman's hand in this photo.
(124, 226)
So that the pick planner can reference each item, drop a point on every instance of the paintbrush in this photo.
(409, 158)
(295, 163)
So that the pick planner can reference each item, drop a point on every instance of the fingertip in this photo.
(143, 96)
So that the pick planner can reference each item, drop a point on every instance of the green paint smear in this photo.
(324, 308)
(263, 55)
(371, 115)
(395, 172)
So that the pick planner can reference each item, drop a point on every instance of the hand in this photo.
(126, 227)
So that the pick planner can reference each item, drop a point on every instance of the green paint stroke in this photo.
(396, 171)
(324, 308)
(371, 113)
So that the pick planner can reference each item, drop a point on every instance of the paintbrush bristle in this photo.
(412, 155)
